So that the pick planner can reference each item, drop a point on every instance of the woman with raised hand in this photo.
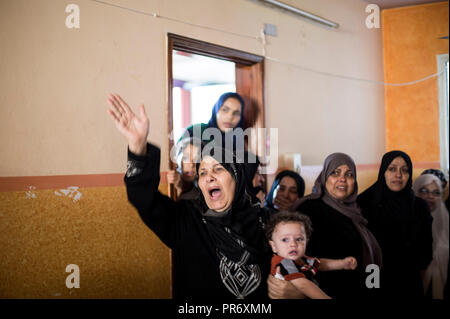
(401, 222)
(218, 242)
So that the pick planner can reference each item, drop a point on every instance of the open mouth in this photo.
(214, 192)
(292, 253)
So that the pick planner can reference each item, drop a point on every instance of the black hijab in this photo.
(237, 232)
(298, 180)
(399, 203)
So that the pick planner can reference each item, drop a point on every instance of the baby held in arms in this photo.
(288, 234)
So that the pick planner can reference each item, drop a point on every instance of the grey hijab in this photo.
(348, 207)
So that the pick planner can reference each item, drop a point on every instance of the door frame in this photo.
(249, 82)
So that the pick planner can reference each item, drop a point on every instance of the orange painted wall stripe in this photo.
(22, 183)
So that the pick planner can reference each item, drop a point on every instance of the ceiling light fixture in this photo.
(302, 13)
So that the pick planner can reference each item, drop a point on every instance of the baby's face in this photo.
(289, 240)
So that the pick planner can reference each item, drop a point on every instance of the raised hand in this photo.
(134, 128)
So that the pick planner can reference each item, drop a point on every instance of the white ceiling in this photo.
(387, 4)
(201, 69)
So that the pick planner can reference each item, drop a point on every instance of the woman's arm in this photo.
(157, 211)
(294, 289)
(310, 289)
(282, 289)
(142, 177)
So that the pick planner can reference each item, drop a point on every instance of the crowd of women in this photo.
(217, 227)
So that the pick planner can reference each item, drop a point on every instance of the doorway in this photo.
(217, 70)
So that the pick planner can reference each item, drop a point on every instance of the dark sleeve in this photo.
(365, 201)
(424, 237)
(157, 211)
(265, 214)
(315, 244)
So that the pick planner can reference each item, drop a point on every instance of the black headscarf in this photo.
(401, 202)
(402, 224)
(348, 206)
(235, 232)
(298, 181)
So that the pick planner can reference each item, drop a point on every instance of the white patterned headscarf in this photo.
(436, 272)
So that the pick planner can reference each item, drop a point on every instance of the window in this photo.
(443, 79)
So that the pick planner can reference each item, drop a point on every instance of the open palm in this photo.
(134, 128)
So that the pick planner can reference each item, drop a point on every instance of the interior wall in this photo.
(410, 45)
(55, 82)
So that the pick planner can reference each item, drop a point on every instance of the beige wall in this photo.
(54, 81)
